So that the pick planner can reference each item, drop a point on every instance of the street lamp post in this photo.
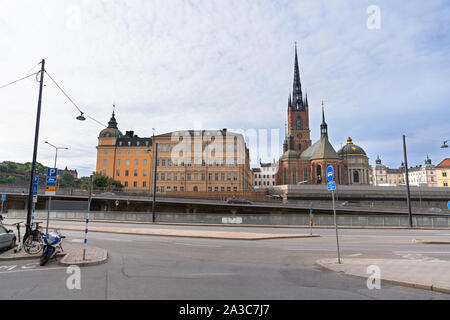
(408, 196)
(50, 197)
(33, 163)
(154, 183)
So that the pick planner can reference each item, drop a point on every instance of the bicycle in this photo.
(34, 242)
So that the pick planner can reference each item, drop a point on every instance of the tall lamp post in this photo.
(50, 197)
(408, 196)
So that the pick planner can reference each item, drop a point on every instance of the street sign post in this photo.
(332, 187)
(3, 199)
(35, 192)
(50, 189)
(310, 218)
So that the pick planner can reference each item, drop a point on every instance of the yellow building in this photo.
(203, 161)
(188, 160)
(125, 158)
(443, 173)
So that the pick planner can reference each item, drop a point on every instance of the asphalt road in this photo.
(149, 267)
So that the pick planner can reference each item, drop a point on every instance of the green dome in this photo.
(290, 155)
(351, 149)
(111, 130)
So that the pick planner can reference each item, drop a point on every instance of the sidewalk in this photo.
(431, 275)
(72, 255)
(228, 235)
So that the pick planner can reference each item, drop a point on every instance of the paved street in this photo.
(149, 267)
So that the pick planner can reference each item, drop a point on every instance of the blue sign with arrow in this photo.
(35, 185)
(330, 173)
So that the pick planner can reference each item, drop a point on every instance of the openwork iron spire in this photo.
(297, 99)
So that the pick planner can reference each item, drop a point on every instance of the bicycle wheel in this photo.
(32, 247)
(46, 256)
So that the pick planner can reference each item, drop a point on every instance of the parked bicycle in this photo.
(34, 242)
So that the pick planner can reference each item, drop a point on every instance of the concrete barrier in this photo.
(388, 220)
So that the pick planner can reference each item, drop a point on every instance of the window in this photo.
(137, 151)
(216, 176)
(105, 162)
(209, 189)
(136, 162)
(145, 162)
(216, 188)
(222, 189)
(127, 162)
(163, 176)
(355, 176)
(228, 188)
(144, 184)
(196, 176)
(144, 173)
(118, 173)
(120, 151)
(135, 184)
(235, 176)
(234, 188)
(106, 151)
(168, 176)
(126, 184)
(104, 172)
(228, 176)
(445, 184)
(163, 147)
(444, 173)
(195, 189)
(299, 123)
(181, 188)
(126, 173)
(175, 188)
(118, 162)
(210, 176)
(129, 143)
(135, 173)
(175, 176)
(169, 163)
(189, 177)
(222, 176)
(163, 163)
(203, 176)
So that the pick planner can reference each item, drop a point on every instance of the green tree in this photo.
(66, 180)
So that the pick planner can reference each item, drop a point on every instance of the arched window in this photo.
(319, 174)
(299, 123)
(356, 176)
(195, 189)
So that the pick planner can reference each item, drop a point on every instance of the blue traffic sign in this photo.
(331, 186)
(448, 205)
(51, 177)
(35, 185)
(3, 197)
(311, 207)
(330, 173)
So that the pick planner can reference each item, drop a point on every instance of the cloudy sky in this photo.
(174, 65)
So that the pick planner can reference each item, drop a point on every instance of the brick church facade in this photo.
(303, 162)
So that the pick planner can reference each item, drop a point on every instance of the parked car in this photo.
(7, 238)
(238, 201)
(351, 204)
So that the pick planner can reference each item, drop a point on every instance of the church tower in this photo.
(298, 114)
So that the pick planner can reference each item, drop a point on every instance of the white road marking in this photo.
(197, 245)
(41, 269)
(309, 249)
(77, 240)
(428, 252)
(354, 255)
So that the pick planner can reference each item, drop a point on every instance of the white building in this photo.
(264, 176)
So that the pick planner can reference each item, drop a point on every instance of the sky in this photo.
(173, 65)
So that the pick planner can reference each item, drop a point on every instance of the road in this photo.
(149, 267)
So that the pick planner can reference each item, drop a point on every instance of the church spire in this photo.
(297, 99)
(323, 126)
(112, 123)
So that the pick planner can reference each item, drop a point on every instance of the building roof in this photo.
(199, 133)
(351, 149)
(111, 130)
(444, 163)
(290, 155)
(256, 169)
(322, 149)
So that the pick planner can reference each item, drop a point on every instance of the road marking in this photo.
(26, 270)
(196, 245)
(354, 255)
(309, 250)
(112, 239)
(428, 252)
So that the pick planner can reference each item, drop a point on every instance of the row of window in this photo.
(127, 151)
(195, 189)
(127, 173)
(264, 183)
(264, 176)
(196, 176)
(138, 143)
(127, 162)
(188, 163)
(211, 147)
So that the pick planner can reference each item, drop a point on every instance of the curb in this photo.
(390, 281)
(431, 241)
(287, 236)
(244, 225)
(104, 259)
(29, 257)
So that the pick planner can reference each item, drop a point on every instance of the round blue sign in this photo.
(330, 173)
(448, 205)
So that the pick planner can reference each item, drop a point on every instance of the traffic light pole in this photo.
(33, 165)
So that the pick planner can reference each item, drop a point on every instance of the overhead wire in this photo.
(73, 103)
(11, 83)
